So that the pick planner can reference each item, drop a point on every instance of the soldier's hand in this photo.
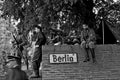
(36, 45)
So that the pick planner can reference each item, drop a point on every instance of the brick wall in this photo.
(106, 68)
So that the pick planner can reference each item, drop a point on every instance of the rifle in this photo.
(21, 53)
(18, 47)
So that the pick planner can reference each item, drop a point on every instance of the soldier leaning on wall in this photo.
(38, 38)
(88, 40)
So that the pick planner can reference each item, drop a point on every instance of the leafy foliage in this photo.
(109, 12)
(5, 36)
(68, 13)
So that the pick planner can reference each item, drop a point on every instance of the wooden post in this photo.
(103, 32)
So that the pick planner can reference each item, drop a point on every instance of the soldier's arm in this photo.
(39, 38)
(24, 41)
(82, 39)
(92, 35)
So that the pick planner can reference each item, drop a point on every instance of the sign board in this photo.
(63, 58)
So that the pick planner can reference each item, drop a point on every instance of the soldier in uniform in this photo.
(19, 42)
(14, 71)
(22, 41)
(37, 37)
(88, 40)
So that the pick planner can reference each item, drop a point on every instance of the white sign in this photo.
(63, 58)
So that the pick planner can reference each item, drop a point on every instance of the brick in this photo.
(106, 68)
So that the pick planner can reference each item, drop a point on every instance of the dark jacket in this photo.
(16, 74)
(38, 37)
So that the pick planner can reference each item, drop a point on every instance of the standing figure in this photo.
(88, 40)
(37, 39)
(19, 42)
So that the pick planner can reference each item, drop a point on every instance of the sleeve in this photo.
(40, 38)
(9, 75)
(25, 75)
(81, 36)
(92, 35)
(24, 41)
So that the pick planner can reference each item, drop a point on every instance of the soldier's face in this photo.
(36, 29)
(85, 27)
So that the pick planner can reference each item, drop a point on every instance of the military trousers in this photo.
(37, 58)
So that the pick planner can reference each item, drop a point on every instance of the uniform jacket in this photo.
(88, 35)
(16, 74)
(38, 37)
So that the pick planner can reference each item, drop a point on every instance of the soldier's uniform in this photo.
(21, 42)
(37, 55)
(18, 46)
(14, 71)
(88, 40)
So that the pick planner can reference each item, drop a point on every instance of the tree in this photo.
(60, 14)
(66, 13)
(5, 36)
(109, 12)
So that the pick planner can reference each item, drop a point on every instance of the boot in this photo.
(94, 60)
(93, 55)
(87, 58)
(35, 74)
